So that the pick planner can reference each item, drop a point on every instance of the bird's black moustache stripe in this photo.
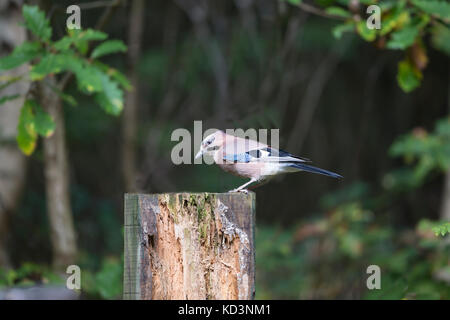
(213, 148)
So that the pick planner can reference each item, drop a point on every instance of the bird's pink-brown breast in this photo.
(245, 170)
(235, 146)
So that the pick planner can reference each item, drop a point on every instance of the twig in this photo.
(311, 101)
(318, 12)
(198, 13)
(96, 4)
(107, 14)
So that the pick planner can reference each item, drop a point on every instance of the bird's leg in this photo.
(241, 188)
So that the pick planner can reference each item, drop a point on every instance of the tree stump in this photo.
(189, 246)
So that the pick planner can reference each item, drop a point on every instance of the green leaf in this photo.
(88, 78)
(394, 20)
(385, 6)
(44, 124)
(107, 47)
(87, 35)
(403, 38)
(441, 230)
(51, 63)
(441, 38)
(33, 120)
(338, 11)
(21, 54)
(87, 75)
(36, 22)
(63, 44)
(408, 76)
(120, 78)
(26, 135)
(111, 96)
(438, 8)
(82, 46)
(80, 39)
(115, 74)
(8, 98)
(366, 33)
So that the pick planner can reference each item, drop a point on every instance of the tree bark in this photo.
(59, 211)
(445, 207)
(129, 117)
(13, 162)
(445, 203)
(189, 246)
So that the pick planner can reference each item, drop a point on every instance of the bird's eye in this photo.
(208, 142)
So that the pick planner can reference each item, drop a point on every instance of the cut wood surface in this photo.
(189, 246)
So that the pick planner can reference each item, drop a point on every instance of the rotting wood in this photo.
(189, 246)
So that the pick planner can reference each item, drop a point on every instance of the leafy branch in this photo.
(68, 55)
(442, 229)
(405, 24)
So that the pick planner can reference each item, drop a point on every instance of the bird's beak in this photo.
(199, 154)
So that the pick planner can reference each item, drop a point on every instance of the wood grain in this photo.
(189, 246)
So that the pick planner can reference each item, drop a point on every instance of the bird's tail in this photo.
(309, 168)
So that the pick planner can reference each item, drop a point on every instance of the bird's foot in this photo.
(245, 191)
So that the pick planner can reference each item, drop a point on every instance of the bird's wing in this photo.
(263, 154)
(283, 156)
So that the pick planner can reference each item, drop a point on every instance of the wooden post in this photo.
(189, 246)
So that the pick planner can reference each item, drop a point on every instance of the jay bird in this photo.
(254, 160)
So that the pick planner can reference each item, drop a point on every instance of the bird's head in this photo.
(211, 144)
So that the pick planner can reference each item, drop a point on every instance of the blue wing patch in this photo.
(241, 157)
(263, 154)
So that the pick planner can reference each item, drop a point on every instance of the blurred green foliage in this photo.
(106, 283)
(328, 257)
(304, 261)
(403, 26)
(425, 153)
(68, 54)
(27, 275)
